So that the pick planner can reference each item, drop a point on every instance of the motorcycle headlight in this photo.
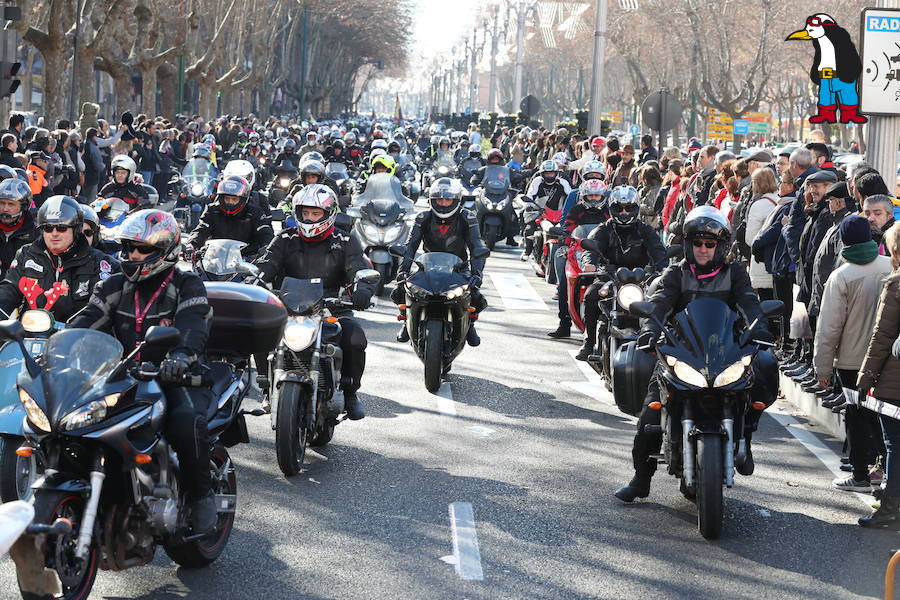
(443, 171)
(689, 374)
(415, 291)
(300, 332)
(730, 374)
(197, 189)
(629, 293)
(393, 232)
(284, 182)
(457, 291)
(370, 231)
(37, 321)
(89, 414)
(35, 415)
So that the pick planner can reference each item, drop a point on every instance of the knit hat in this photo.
(855, 230)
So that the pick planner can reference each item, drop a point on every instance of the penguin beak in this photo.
(799, 35)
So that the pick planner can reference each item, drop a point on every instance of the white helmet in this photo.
(124, 162)
(242, 168)
(445, 188)
(315, 196)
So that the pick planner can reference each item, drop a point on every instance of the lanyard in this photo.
(140, 314)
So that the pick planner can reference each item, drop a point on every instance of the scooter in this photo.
(379, 224)
(494, 211)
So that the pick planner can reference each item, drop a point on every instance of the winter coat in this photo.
(671, 201)
(771, 245)
(757, 213)
(880, 370)
(828, 258)
(648, 205)
(844, 326)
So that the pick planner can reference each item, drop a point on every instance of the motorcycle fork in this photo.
(90, 509)
(309, 417)
(728, 446)
(687, 444)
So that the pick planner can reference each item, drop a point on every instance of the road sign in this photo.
(741, 127)
(880, 79)
(635, 129)
(613, 116)
(719, 123)
(530, 106)
(661, 111)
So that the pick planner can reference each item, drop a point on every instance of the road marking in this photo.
(763, 513)
(516, 292)
(481, 430)
(445, 404)
(465, 542)
(593, 388)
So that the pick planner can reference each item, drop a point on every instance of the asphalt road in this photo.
(537, 461)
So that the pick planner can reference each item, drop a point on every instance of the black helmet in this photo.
(495, 154)
(60, 210)
(149, 227)
(89, 215)
(706, 223)
(312, 167)
(18, 190)
(233, 185)
(289, 145)
(337, 144)
(623, 205)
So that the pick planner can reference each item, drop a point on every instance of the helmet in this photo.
(594, 167)
(61, 210)
(314, 156)
(15, 189)
(623, 205)
(495, 154)
(454, 136)
(150, 227)
(464, 143)
(377, 152)
(434, 140)
(254, 137)
(350, 137)
(378, 133)
(548, 166)
(386, 161)
(233, 185)
(242, 135)
(243, 168)
(269, 134)
(705, 222)
(202, 151)
(338, 144)
(89, 216)
(7, 172)
(445, 188)
(289, 145)
(444, 140)
(315, 196)
(312, 167)
(124, 162)
(393, 147)
(474, 151)
(22, 175)
(592, 187)
(561, 159)
(379, 144)
(209, 139)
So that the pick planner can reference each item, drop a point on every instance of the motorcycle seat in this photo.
(222, 376)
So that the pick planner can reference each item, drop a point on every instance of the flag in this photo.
(398, 112)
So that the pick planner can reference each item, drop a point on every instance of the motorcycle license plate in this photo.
(35, 346)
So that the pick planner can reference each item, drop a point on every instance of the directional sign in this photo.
(880, 79)
(741, 127)
(635, 129)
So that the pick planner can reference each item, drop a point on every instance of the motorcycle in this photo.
(198, 186)
(407, 174)
(578, 280)
(341, 175)
(496, 218)
(546, 242)
(284, 173)
(709, 384)
(467, 168)
(438, 314)
(96, 421)
(305, 370)
(221, 260)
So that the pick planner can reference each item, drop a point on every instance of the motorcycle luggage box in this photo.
(247, 319)
(632, 369)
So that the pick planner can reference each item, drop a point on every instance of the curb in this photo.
(809, 405)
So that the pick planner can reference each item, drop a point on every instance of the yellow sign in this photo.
(720, 123)
(613, 116)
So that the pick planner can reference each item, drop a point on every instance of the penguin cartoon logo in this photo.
(836, 68)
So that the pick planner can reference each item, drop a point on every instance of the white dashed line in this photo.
(516, 292)
(466, 555)
(445, 404)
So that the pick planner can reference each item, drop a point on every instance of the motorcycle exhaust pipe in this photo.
(687, 449)
(90, 510)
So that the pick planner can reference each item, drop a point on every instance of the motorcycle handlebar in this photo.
(148, 371)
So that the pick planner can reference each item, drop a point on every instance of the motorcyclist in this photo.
(123, 184)
(353, 150)
(494, 157)
(150, 291)
(245, 169)
(316, 249)
(380, 164)
(592, 170)
(288, 153)
(590, 209)
(704, 272)
(462, 150)
(625, 241)
(313, 171)
(335, 153)
(16, 223)
(547, 185)
(57, 271)
(232, 217)
(447, 227)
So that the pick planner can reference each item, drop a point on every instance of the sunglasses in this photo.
(621, 208)
(58, 228)
(88, 233)
(139, 248)
(708, 243)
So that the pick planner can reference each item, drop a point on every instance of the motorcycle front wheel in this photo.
(384, 269)
(433, 354)
(709, 485)
(76, 577)
(290, 435)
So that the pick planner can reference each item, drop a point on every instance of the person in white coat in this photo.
(764, 200)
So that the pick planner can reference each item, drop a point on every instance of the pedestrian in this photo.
(94, 168)
(650, 184)
(764, 200)
(9, 145)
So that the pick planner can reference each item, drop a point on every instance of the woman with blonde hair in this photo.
(763, 201)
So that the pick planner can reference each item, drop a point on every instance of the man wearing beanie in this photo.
(846, 320)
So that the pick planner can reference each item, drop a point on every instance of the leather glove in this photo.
(646, 341)
(360, 299)
(475, 281)
(174, 368)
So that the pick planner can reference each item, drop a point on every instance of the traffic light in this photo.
(8, 81)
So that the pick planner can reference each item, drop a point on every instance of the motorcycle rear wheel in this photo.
(433, 355)
(290, 435)
(76, 577)
(709, 485)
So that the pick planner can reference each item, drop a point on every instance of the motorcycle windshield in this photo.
(382, 212)
(403, 160)
(336, 171)
(498, 173)
(222, 257)
(301, 296)
(438, 272)
(707, 330)
(467, 168)
(444, 159)
(198, 170)
(441, 262)
(582, 231)
(75, 361)
(383, 186)
(114, 211)
(11, 363)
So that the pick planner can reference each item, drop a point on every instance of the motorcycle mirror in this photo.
(638, 275)
(397, 250)
(162, 337)
(12, 330)
(246, 268)
(623, 274)
(353, 211)
(277, 214)
(370, 276)
(770, 308)
(675, 251)
(641, 309)
(479, 253)
(590, 245)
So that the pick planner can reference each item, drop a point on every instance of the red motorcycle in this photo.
(546, 241)
(577, 280)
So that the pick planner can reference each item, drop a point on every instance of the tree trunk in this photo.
(122, 86)
(168, 88)
(54, 89)
(28, 80)
(148, 90)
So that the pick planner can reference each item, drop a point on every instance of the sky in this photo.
(439, 24)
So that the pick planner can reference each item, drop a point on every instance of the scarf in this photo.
(860, 254)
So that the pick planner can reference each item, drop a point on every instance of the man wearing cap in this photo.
(846, 321)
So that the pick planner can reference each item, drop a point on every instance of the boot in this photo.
(203, 514)
(353, 406)
(638, 487)
(472, 338)
(748, 466)
(886, 517)
(403, 335)
(849, 114)
(529, 248)
(511, 240)
(827, 114)
(563, 331)
(587, 348)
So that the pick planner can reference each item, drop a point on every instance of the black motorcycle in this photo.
(496, 218)
(438, 314)
(305, 370)
(710, 383)
(96, 421)
(222, 260)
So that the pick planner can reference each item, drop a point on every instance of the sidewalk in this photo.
(810, 406)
